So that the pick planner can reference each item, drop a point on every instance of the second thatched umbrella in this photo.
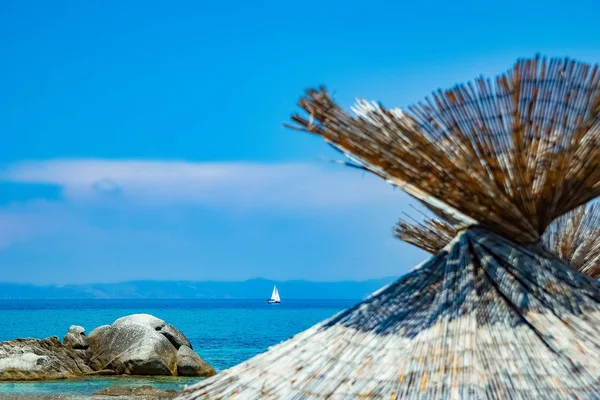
(493, 314)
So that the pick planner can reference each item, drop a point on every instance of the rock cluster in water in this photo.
(138, 391)
(138, 344)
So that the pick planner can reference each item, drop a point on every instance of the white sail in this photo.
(275, 295)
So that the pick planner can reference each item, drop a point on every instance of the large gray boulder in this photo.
(35, 359)
(76, 338)
(191, 364)
(174, 336)
(139, 344)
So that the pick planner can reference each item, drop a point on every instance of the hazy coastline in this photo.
(147, 289)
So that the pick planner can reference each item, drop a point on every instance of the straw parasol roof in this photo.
(493, 314)
(573, 237)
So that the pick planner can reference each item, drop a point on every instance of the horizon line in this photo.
(196, 281)
(178, 298)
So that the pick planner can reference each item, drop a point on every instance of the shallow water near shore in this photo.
(223, 332)
(91, 385)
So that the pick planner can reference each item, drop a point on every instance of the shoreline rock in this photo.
(145, 390)
(40, 359)
(138, 344)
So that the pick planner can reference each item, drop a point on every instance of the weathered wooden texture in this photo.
(485, 318)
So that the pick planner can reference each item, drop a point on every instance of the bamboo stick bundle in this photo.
(492, 314)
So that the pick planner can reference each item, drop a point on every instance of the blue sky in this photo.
(144, 140)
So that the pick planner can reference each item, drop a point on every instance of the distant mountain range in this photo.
(249, 289)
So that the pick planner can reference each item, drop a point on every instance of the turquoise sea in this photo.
(223, 332)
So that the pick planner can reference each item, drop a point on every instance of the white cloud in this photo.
(235, 184)
(93, 189)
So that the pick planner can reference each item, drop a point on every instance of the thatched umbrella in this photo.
(493, 314)
(573, 237)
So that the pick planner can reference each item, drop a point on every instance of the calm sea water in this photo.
(223, 332)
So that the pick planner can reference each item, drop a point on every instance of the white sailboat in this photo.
(275, 299)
